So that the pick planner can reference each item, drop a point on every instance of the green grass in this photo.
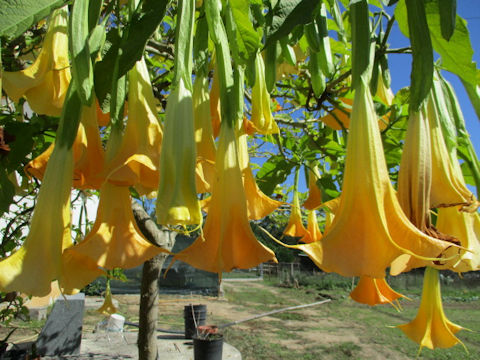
(374, 326)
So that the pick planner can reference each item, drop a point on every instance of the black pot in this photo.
(194, 315)
(208, 348)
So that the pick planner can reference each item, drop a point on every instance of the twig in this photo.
(274, 312)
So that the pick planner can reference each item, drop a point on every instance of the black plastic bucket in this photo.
(194, 315)
(209, 348)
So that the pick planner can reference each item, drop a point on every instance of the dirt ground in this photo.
(326, 331)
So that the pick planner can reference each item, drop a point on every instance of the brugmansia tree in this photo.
(167, 101)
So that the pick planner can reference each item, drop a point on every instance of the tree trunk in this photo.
(147, 340)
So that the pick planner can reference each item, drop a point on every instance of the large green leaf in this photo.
(287, 14)
(273, 172)
(456, 54)
(144, 22)
(247, 39)
(16, 16)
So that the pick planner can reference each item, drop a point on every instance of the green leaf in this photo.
(456, 54)
(287, 14)
(17, 16)
(144, 22)
(247, 39)
(7, 192)
(273, 172)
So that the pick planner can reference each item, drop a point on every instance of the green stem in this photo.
(183, 62)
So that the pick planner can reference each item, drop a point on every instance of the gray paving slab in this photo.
(108, 345)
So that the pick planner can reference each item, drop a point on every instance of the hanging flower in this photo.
(384, 92)
(259, 205)
(107, 308)
(313, 231)
(314, 199)
(33, 267)
(228, 241)
(339, 118)
(371, 291)
(205, 169)
(215, 110)
(262, 116)
(88, 154)
(44, 84)
(295, 225)
(431, 328)
(115, 240)
(465, 227)
(136, 162)
(370, 229)
(448, 186)
(177, 201)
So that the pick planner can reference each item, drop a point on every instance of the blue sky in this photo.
(400, 65)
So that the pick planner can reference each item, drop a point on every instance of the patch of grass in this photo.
(289, 315)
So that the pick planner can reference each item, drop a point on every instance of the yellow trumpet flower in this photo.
(205, 169)
(88, 154)
(228, 241)
(383, 92)
(44, 84)
(313, 231)
(448, 186)
(259, 205)
(465, 227)
(215, 111)
(314, 199)
(370, 229)
(33, 267)
(115, 240)
(78, 271)
(177, 201)
(295, 225)
(136, 161)
(107, 307)
(262, 116)
(371, 291)
(431, 328)
(340, 116)
(414, 188)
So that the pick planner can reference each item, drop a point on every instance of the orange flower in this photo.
(205, 169)
(431, 328)
(115, 240)
(448, 186)
(215, 111)
(136, 162)
(373, 292)
(107, 307)
(88, 154)
(313, 234)
(44, 83)
(259, 205)
(33, 267)
(262, 116)
(314, 199)
(370, 229)
(228, 241)
(465, 227)
(295, 225)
